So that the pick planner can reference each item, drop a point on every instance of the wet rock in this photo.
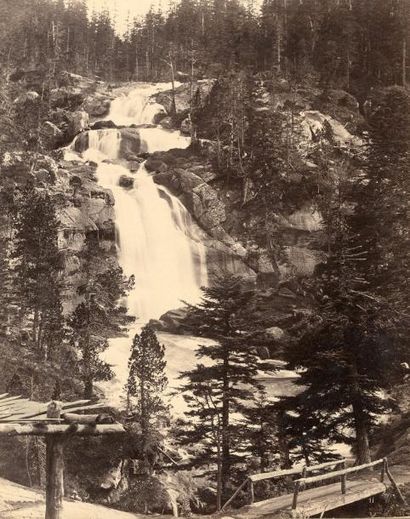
(166, 123)
(130, 143)
(158, 117)
(134, 165)
(82, 142)
(186, 126)
(156, 165)
(126, 182)
(199, 197)
(171, 322)
(100, 125)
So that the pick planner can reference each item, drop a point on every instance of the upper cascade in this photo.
(137, 105)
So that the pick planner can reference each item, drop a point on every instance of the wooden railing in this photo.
(302, 470)
(342, 474)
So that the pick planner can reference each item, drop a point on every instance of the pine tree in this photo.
(38, 270)
(352, 344)
(144, 390)
(223, 384)
(98, 317)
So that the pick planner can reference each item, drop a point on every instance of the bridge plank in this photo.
(313, 501)
(295, 470)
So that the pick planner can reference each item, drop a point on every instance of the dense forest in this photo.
(354, 44)
(343, 327)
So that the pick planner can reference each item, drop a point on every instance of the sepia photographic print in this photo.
(204, 259)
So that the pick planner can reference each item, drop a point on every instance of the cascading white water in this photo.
(157, 239)
(156, 244)
(137, 106)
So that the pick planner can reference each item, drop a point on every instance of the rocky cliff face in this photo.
(234, 230)
(231, 230)
(219, 209)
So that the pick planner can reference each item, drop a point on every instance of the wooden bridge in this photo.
(316, 494)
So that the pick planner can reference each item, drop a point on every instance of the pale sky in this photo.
(123, 7)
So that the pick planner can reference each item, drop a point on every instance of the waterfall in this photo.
(157, 244)
(157, 239)
(137, 106)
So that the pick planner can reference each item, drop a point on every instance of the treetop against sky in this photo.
(121, 10)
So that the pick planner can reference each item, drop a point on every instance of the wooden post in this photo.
(343, 480)
(235, 494)
(295, 495)
(394, 484)
(383, 470)
(55, 476)
(252, 490)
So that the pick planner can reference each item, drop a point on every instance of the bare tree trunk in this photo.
(225, 426)
(360, 421)
(362, 437)
(219, 476)
(174, 105)
(283, 444)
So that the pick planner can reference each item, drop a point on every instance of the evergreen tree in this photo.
(38, 270)
(98, 317)
(223, 385)
(351, 347)
(145, 386)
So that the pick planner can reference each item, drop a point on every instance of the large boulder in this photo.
(171, 322)
(166, 123)
(66, 97)
(131, 144)
(101, 125)
(201, 92)
(317, 126)
(134, 165)
(126, 181)
(81, 143)
(153, 164)
(79, 122)
(97, 105)
(199, 197)
(52, 134)
(30, 97)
